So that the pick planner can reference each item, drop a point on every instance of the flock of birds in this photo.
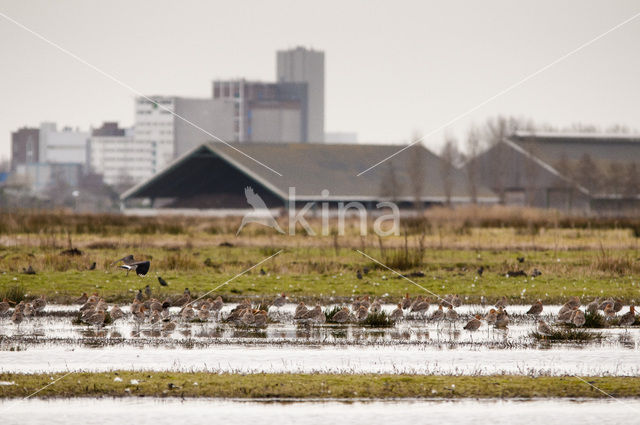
(145, 309)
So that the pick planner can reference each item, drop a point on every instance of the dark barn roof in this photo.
(604, 149)
(310, 168)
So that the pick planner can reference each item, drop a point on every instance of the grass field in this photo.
(580, 261)
(298, 386)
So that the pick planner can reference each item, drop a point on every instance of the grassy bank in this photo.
(324, 274)
(120, 384)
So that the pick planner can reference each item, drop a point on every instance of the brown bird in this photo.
(97, 318)
(629, 318)
(617, 305)
(456, 301)
(376, 307)
(4, 307)
(543, 328)
(502, 319)
(406, 302)
(420, 305)
(341, 316)
(82, 299)
(183, 299)
(362, 313)
(301, 311)
(397, 313)
(437, 315)
(451, 314)
(473, 324)
(577, 318)
(592, 307)
(280, 301)
(168, 326)
(491, 317)
(116, 313)
(260, 318)
(536, 308)
(17, 317)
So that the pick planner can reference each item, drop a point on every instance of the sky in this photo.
(393, 68)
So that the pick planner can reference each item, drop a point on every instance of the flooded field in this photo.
(52, 343)
(170, 411)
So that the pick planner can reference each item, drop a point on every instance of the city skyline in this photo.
(395, 73)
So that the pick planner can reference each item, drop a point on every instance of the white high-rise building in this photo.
(66, 146)
(119, 158)
(301, 65)
(196, 121)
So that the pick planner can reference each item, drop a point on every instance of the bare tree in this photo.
(588, 174)
(473, 149)
(614, 179)
(632, 180)
(416, 172)
(449, 155)
(389, 187)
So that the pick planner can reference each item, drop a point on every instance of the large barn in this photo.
(591, 173)
(213, 177)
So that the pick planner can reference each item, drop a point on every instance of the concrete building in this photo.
(588, 173)
(214, 177)
(47, 178)
(341, 137)
(265, 112)
(172, 135)
(24, 146)
(301, 65)
(66, 146)
(119, 158)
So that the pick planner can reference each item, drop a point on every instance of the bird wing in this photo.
(142, 267)
(127, 259)
(254, 199)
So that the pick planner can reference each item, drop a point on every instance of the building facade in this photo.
(24, 146)
(176, 124)
(301, 65)
(119, 158)
(265, 112)
(66, 146)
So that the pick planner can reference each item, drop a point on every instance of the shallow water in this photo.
(229, 412)
(50, 344)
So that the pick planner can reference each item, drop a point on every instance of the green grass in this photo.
(378, 320)
(318, 272)
(13, 293)
(269, 386)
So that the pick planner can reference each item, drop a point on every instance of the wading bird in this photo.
(536, 308)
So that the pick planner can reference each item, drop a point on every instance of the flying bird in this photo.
(260, 213)
(129, 263)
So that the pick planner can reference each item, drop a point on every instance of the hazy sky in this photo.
(392, 67)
